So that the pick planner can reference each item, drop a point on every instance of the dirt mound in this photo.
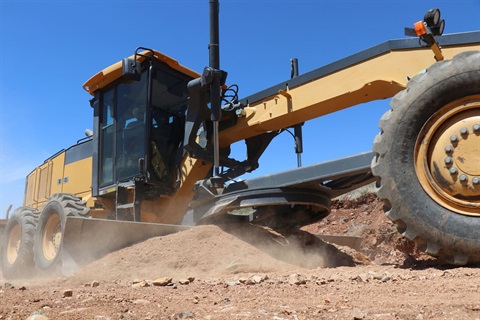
(212, 251)
(363, 216)
(207, 251)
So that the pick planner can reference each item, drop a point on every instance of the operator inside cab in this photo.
(140, 127)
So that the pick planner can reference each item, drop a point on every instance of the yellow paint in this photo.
(378, 78)
(75, 181)
(45, 181)
(112, 73)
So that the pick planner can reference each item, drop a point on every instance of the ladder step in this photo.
(125, 206)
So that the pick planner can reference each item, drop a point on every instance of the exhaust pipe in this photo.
(215, 99)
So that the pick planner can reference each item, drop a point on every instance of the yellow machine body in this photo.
(380, 77)
(56, 175)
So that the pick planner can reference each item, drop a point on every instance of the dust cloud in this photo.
(297, 248)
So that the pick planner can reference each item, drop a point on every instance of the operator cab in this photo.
(139, 124)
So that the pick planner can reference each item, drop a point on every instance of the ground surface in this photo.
(246, 272)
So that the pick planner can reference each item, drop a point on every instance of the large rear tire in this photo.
(17, 253)
(428, 160)
(50, 227)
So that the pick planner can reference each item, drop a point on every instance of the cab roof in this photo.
(113, 72)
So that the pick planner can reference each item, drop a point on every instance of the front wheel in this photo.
(428, 160)
(49, 231)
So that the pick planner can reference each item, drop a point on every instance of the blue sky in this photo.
(48, 49)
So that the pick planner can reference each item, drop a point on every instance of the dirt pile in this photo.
(364, 217)
(213, 251)
(201, 251)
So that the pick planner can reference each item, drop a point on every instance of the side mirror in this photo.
(131, 69)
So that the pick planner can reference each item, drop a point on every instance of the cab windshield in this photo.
(123, 130)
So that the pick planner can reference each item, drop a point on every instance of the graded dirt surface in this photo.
(248, 272)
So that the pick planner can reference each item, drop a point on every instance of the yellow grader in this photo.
(158, 159)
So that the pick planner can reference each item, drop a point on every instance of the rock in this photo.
(296, 279)
(184, 315)
(362, 277)
(334, 278)
(162, 282)
(67, 293)
(141, 301)
(37, 315)
(376, 276)
(383, 316)
(259, 278)
(358, 314)
(140, 284)
(242, 280)
(94, 284)
(184, 281)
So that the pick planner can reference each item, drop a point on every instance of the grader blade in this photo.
(85, 240)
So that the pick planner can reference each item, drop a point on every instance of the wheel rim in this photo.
(52, 237)
(13, 245)
(447, 160)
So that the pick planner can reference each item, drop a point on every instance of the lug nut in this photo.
(448, 160)
(476, 127)
(476, 180)
(463, 131)
(453, 170)
(453, 138)
(463, 178)
(448, 149)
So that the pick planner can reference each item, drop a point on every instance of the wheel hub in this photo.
(13, 245)
(461, 171)
(448, 156)
(52, 237)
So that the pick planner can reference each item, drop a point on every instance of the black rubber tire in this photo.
(18, 262)
(61, 205)
(453, 237)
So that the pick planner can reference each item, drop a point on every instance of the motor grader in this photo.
(158, 159)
